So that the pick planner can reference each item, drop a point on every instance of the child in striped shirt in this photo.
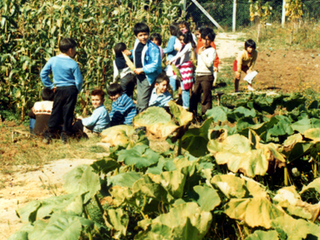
(123, 109)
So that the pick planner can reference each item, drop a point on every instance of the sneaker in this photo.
(250, 88)
(47, 137)
(64, 138)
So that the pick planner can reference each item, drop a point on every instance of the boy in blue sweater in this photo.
(147, 60)
(67, 83)
(123, 109)
(98, 121)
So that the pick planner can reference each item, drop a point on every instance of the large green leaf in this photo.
(256, 212)
(237, 152)
(124, 179)
(314, 185)
(22, 233)
(218, 114)
(195, 140)
(207, 198)
(185, 221)
(105, 165)
(294, 147)
(263, 235)
(117, 135)
(82, 180)
(296, 229)
(305, 124)
(313, 134)
(40, 209)
(140, 156)
(157, 121)
(117, 221)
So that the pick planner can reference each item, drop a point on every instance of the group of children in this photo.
(185, 53)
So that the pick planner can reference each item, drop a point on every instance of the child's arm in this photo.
(208, 57)
(92, 120)
(115, 72)
(131, 113)
(154, 62)
(78, 78)
(187, 48)
(170, 45)
(254, 58)
(239, 61)
(216, 61)
(44, 75)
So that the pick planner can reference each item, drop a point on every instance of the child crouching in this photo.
(123, 108)
(98, 121)
(160, 96)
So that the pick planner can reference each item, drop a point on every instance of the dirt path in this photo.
(22, 187)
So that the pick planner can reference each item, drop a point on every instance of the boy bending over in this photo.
(123, 109)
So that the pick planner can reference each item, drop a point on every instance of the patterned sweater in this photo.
(123, 111)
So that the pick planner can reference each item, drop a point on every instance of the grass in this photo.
(33, 154)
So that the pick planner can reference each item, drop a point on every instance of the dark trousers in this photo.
(64, 102)
(127, 84)
(144, 90)
(203, 85)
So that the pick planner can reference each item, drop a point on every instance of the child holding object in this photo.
(40, 112)
(123, 108)
(122, 71)
(204, 73)
(98, 121)
(183, 60)
(147, 60)
(245, 62)
(67, 83)
(160, 96)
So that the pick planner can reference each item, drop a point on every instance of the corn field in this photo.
(31, 30)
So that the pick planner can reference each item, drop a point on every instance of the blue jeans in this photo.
(32, 122)
(173, 82)
(185, 97)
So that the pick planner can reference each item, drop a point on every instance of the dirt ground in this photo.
(283, 71)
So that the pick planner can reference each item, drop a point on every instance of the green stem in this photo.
(286, 182)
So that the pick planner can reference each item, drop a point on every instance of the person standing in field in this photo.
(200, 44)
(204, 73)
(245, 62)
(160, 96)
(157, 40)
(67, 83)
(147, 60)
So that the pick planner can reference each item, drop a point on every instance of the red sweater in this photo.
(200, 44)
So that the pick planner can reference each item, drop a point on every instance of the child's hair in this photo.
(119, 48)
(174, 29)
(98, 92)
(114, 89)
(249, 43)
(185, 23)
(47, 94)
(140, 27)
(189, 39)
(162, 77)
(66, 43)
(157, 37)
(207, 32)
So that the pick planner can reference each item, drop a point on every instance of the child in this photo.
(123, 109)
(40, 112)
(160, 96)
(200, 44)
(171, 51)
(183, 61)
(245, 62)
(157, 40)
(204, 73)
(67, 83)
(184, 28)
(98, 121)
(147, 59)
(121, 69)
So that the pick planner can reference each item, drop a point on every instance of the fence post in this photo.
(234, 15)
(283, 19)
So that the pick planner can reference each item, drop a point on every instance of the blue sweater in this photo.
(65, 72)
(151, 60)
(160, 100)
(170, 48)
(123, 110)
(98, 121)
